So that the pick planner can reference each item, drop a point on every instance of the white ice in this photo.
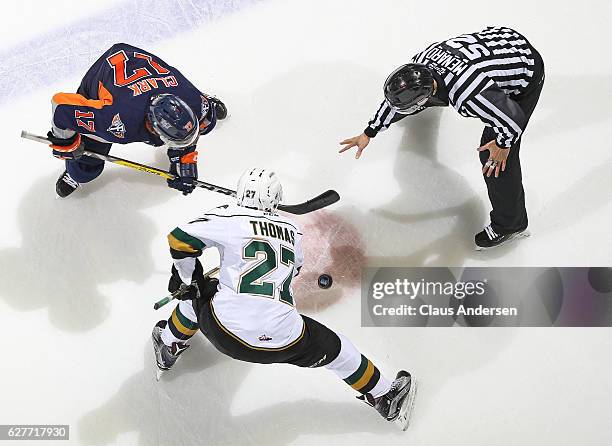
(78, 277)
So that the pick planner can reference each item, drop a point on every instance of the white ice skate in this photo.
(164, 355)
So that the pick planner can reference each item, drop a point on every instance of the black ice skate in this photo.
(395, 405)
(164, 355)
(488, 238)
(65, 185)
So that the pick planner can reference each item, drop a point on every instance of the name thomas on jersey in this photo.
(267, 229)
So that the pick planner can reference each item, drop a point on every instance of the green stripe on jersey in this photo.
(181, 235)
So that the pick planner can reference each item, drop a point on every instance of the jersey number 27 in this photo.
(251, 281)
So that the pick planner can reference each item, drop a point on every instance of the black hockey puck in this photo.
(325, 281)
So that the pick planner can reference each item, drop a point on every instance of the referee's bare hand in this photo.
(497, 158)
(361, 142)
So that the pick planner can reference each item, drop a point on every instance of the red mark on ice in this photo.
(332, 246)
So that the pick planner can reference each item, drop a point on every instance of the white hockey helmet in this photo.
(259, 189)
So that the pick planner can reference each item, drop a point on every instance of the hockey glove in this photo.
(186, 291)
(183, 164)
(220, 109)
(200, 286)
(66, 148)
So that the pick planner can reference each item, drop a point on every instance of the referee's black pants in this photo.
(506, 191)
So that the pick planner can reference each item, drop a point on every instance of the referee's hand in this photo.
(497, 158)
(361, 142)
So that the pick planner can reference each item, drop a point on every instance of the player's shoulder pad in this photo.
(211, 214)
(123, 47)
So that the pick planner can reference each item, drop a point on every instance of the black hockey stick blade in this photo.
(327, 198)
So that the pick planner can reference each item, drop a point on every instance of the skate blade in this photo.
(57, 197)
(520, 235)
(403, 420)
(158, 374)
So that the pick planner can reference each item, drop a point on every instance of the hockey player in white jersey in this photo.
(249, 313)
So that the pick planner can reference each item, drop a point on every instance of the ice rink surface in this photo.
(79, 276)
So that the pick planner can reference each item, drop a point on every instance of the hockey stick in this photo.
(160, 303)
(325, 199)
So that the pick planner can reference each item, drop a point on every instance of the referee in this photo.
(494, 75)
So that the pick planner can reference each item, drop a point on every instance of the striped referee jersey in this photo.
(478, 74)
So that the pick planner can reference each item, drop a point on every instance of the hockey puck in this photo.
(325, 281)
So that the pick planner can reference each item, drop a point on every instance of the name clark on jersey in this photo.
(268, 229)
(430, 310)
(152, 83)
